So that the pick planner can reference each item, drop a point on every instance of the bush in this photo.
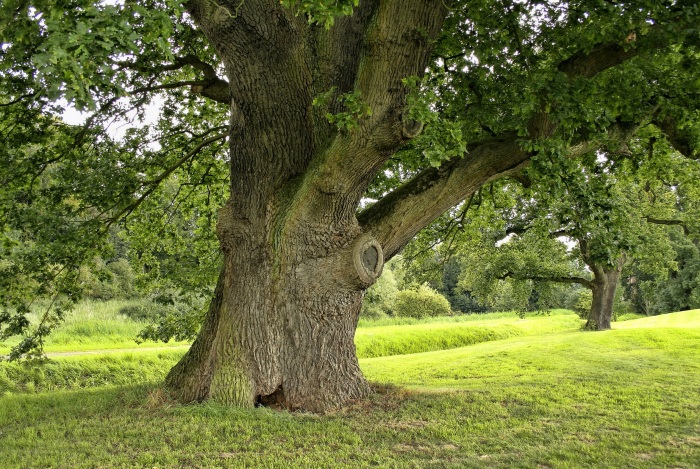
(380, 298)
(107, 281)
(420, 303)
(583, 303)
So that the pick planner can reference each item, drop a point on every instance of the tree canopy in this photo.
(334, 130)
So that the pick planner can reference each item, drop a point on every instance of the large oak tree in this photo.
(323, 98)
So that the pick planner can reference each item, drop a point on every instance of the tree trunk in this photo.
(604, 286)
(280, 329)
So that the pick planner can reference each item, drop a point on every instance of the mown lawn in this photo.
(629, 397)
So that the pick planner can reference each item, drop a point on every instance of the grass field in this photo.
(94, 325)
(99, 326)
(547, 396)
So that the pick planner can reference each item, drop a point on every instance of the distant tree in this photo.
(612, 211)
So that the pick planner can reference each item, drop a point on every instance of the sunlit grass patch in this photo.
(622, 398)
(94, 325)
(85, 371)
(681, 319)
(382, 341)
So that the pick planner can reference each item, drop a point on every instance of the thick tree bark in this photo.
(603, 286)
(280, 330)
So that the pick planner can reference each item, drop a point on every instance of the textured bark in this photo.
(297, 259)
(603, 286)
(280, 330)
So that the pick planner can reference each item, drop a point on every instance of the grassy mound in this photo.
(685, 319)
(621, 398)
(426, 336)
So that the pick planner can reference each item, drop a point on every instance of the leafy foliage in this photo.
(322, 11)
(67, 188)
(380, 298)
(421, 302)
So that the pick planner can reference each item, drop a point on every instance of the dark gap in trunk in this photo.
(276, 400)
(370, 258)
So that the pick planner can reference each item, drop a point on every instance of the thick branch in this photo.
(600, 58)
(658, 221)
(568, 280)
(680, 139)
(397, 45)
(585, 65)
(396, 218)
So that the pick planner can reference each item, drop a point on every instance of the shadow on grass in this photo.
(506, 425)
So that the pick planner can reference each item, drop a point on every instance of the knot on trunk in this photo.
(368, 259)
(410, 128)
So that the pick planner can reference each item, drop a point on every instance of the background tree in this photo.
(672, 193)
(322, 97)
(614, 211)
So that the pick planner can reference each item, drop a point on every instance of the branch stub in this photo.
(368, 259)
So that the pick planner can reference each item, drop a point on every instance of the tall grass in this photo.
(93, 325)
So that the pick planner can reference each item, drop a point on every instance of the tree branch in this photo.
(217, 91)
(568, 280)
(600, 58)
(397, 44)
(20, 99)
(659, 221)
(212, 87)
(397, 217)
(155, 182)
(680, 139)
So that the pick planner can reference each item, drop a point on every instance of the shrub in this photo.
(583, 303)
(107, 281)
(380, 298)
(420, 303)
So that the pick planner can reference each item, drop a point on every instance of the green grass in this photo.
(86, 371)
(95, 325)
(458, 318)
(622, 398)
(690, 319)
(426, 336)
